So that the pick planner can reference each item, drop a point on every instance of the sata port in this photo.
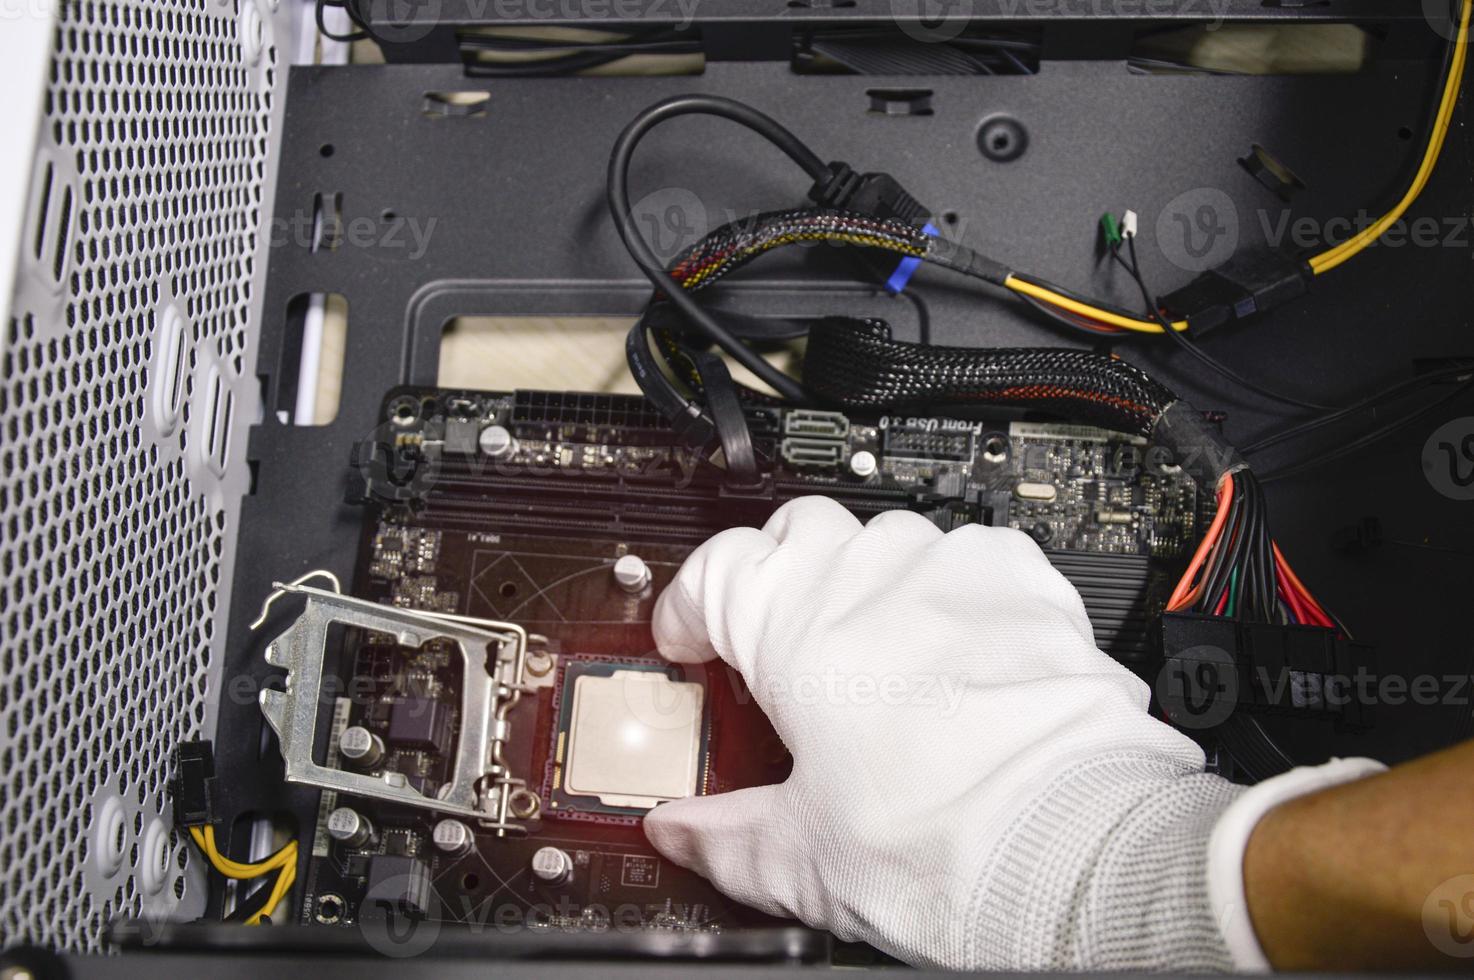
(805, 422)
(813, 452)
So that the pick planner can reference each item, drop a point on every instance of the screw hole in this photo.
(470, 881)
(1002, 139)
(329, 909)
(327, 149)
(949, 217)
(508, 590)
(1404, 133)
(388, 215)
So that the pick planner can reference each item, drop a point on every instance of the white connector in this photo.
(1128, 224)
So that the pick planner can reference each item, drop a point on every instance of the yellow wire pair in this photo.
(1331, 258)
(1049, 296)
(283, 861)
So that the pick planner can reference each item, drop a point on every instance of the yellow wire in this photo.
(1331, 258)
(205, 838)
(279, 891)
(284, 861)
(1086, 310)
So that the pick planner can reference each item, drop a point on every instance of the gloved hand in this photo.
(975, 785)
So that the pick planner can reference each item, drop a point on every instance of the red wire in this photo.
(1291, 585)
(1184, 595)
(1297, 610)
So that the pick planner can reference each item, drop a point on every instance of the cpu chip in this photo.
(631, 737)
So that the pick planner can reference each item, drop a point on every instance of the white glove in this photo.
(975, 785)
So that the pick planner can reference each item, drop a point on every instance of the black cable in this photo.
(248, 905)
(644, 256)
(1332, 414)
(1387, 394)
(1155, 312)
(726, 412)
(540, 68)
(322, 27)
(1368, 439)
(1077, 297)
(856, 364)
(1252, 750)
(1229, 554)
(1259, 562)
(651, 380)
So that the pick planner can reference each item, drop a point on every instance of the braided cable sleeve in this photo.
(856, 364)
(735, 244)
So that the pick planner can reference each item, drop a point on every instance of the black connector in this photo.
(1213, 666)
(879, 196)
(1246, 285)
(194, 772)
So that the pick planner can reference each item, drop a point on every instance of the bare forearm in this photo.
(1339, 879)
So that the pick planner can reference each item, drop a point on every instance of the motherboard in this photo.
(567, 514)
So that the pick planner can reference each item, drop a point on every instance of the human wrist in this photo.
(1254, 816)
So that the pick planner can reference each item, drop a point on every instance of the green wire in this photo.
(1233, 593)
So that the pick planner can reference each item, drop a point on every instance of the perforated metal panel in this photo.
(127, 391)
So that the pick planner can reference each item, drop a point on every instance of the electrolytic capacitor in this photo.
(348, 826)
(552, 865)
(360, 747)
(452, 837)
(496, 442)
